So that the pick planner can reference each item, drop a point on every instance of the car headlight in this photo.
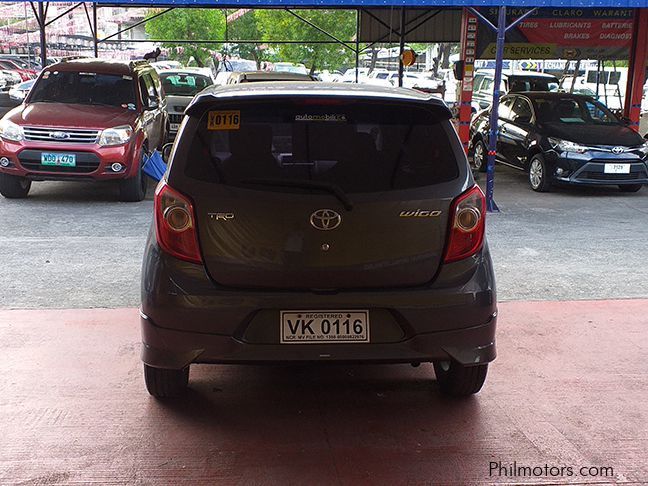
(116, 135)
(644, 148)
(10, 131)
(567, 146)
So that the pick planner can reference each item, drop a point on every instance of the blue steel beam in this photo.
(491, 206)
(501, 28)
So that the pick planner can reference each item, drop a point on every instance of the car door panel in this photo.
(503, 139)
(518, 132)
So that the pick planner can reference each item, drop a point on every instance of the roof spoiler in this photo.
(204, 101)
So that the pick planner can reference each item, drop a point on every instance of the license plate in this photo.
(174, 127)
(617, 169)
(61, 160)
(308, 327)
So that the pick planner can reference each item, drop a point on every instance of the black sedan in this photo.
(562, 137)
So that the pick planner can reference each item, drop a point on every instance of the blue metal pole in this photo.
(491, 206)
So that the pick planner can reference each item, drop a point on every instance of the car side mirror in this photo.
(153, 103)
(458, 70)
(166, 152)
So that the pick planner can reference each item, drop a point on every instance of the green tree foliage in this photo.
(188, 24)
(246, 27)
(279, 25)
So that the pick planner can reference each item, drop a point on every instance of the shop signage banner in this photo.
(551, 33)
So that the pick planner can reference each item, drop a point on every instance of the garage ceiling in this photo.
(421, 25)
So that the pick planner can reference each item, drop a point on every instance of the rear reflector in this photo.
(467, 225)
(175, 224)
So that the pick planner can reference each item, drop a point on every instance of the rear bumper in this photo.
(167, 348)
(187, 319)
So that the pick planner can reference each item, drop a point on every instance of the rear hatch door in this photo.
(317, 195)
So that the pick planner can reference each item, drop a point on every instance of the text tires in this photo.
(539, 177)
(457, 380)
(14, 187)
(163, 383)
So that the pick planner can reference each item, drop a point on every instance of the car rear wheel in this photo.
(630, 187)
(457, 380)
(539, 177)
(164, 383)
(480, 161)
(14, 187)
(134, 188)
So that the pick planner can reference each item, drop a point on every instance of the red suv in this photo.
(86, 119)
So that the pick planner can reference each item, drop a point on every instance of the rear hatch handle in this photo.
(306, 184)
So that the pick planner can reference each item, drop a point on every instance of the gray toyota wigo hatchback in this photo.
(306, 222)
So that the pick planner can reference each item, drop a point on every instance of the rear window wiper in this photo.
(306, 184)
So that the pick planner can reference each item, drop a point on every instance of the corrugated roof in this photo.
(421, 25)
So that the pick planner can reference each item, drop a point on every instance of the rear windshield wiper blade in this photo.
(306, 184)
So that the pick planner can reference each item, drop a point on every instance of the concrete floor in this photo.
(568, 389)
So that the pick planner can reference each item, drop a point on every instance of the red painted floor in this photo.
(570, 389)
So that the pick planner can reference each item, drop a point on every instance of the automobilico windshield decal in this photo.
(321, 118)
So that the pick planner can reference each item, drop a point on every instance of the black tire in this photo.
(539, 177)
(134, 189)
(457, 380)
(14, 187)
(164, 383)
(630, 187)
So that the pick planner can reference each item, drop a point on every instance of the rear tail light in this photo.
(175, 224)
(467, 225)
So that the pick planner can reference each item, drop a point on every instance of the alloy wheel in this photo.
(535, 173)
(478, 156)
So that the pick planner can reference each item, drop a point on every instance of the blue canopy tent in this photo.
(639, 50)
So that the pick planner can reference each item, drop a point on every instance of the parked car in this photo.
(289, 67)
(10, 65)
(329, 76)
(379, 77)
(265, 76)
(349, 75)
(180, 86)
(19, 92)
(8, 80)
(86, 119)
(321, 223)
(514, 81)
(166, 65)
(563, 138)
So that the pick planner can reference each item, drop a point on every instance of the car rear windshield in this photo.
(84, 88)
(181, 84)
(358, 146)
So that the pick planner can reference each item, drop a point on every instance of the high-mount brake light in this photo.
(175, 224)
(467, 225)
